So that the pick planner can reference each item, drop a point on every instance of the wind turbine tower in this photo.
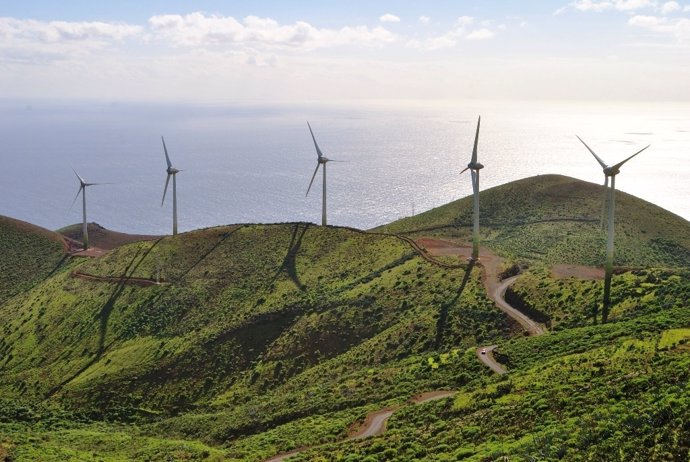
(609, 172)
(172, 172)
(83, 184)
(321, 160)
(474, 168)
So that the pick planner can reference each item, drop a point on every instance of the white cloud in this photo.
(464, 21)
(198, 29)
(480, 34)
(686, 8)
(670, 7)
(451, 38)
(63, 31)
(389, 18)
(424, 19)
(27, 40)
(524, 24)
(679, 28)
(598, 6)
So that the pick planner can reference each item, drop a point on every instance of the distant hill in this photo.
(555, 219)
(101, 237)
(28, 254)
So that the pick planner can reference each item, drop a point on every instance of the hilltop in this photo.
(101, 237)
(554, 219)
(242, 342)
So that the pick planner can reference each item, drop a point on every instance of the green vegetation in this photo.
(239, 343)
(555, 219)
(29, 254)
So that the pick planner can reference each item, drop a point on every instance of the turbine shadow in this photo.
(289, 265)
(442, 322)
(223, 238)
(104, 314)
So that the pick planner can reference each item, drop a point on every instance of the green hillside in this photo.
(245, 322)
(555, 219)
(29, 254)
(242, 342)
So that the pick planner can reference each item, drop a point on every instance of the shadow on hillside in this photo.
(442, 322)
(104, 315)
(58, 265)
(211, 249)
(289, 265)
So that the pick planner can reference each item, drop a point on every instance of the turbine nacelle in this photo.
(474, 166)
(172, 170)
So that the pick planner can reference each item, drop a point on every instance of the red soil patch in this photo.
(440, 248)
(577, 271)
(142, 282)
(102, 238)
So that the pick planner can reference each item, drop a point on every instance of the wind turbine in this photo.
(82, 189)
(474, 168)
(321, 160)
(172, 171)
(609, 171)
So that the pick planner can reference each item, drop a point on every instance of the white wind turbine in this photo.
(474, 168)
(172, 171)
(82, 189)
(321, 160)
(609, 171)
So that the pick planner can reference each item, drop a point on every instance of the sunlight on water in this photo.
(253, 164)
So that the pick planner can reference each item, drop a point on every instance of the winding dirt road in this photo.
(375, 422)
(485, 355)
(498, 296)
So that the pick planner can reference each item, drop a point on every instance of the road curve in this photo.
(498, 296)
(375, 422)
(489, 360)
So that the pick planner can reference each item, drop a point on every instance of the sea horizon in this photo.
(252, 162)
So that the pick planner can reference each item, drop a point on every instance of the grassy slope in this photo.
(555, 219)
(269, 338)
(29, 254)
(255, 326)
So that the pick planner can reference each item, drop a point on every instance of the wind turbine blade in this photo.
(75, 197)
(601, 162)
(165, 190)
(81, 180)
(316, 145)
(619, 164)
(165, 149)
(312, 179)
(464, 170)
(476, 141)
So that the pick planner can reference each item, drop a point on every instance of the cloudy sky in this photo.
(265, 50)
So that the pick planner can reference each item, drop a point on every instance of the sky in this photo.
(270, 50)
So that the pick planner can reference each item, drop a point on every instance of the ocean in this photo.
(253, 162)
